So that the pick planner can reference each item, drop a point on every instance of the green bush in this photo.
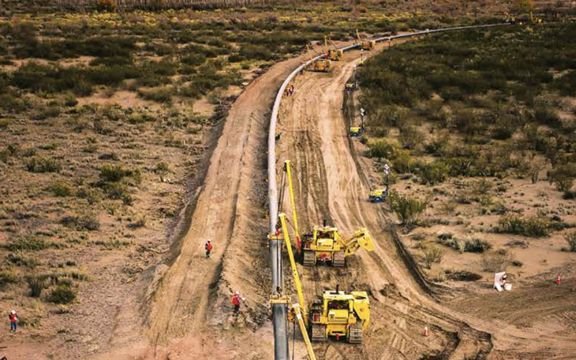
(532, 227)
(25, 243)
(432, 254)
(63, 294)
(80, 223)
(113, 173)
(161, 94)
(60, 189)
(407, 209)
(7, 277)
(434, 172)
(381, 149)
(476, 246)
(43, 165)
(36, 284)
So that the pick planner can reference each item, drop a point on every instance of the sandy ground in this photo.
(186, 313)
(332, 186)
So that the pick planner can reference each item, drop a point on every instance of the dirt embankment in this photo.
(190, 315)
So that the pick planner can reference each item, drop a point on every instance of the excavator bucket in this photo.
(360, 239)
(365, 240)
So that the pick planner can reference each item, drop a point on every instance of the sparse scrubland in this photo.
(483, 126)
(106, 122)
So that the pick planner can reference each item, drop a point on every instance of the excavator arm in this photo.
(360, 239)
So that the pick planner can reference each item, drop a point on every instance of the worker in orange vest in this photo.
(208, 248)
(237, 301)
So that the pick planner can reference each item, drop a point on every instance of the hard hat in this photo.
(208, 240)
(13, 312)
(237, 293)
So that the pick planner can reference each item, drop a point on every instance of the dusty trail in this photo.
(331, 185)
(315, 139)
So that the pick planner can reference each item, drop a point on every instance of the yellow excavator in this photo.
(338, 314)
(333, 54)
(325, 244)
(320, 65)
(365, 44)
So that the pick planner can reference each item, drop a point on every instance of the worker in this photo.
(237, 301)
(13, 320)
(208, 247)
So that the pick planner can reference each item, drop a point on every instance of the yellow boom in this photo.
(295, 275)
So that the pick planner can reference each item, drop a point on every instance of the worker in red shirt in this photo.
(13, 320)
(208, 248)
(237, 301)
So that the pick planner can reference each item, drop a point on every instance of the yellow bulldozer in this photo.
(333, 54)
(365, 44)
(335, 314)
(322, 64)
(326, 245)
(340, 315)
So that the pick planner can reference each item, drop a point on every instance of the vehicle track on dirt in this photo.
(326, 164)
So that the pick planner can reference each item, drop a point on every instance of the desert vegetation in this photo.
(474, 122)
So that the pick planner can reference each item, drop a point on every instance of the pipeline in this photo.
(279, 311)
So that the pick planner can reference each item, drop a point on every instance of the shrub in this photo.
(447, 239)
(432, 254)
(84, 222)
(60, 189)
(381, 149)
(27, 243)
(7, 277)
(63, 294)
(113, 173)
(407, 209)
(476, 246)
(433, 173)
(43, 165)
(256, 52)
(496, 261)
(161, 94)
(36, 284)
(533, 226)
(571, 240)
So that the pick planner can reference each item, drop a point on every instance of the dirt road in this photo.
(332, 185)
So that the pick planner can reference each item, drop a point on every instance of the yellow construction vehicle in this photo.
(355, 131)
(295, 314)
(365, 44)
(378, 195)
(321, 65)
(341, 315)
(325, 244)
(336, 314)
(333, 54)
